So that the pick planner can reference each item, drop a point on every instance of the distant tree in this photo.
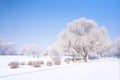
(116, 48)
(83, 37)
(31, 50)
(8, 48)
(55, 50)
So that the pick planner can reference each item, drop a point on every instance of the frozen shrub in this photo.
(67, 61)
(57, 61)
(29, 62)
(49, 63)
(13, 65)
(22, 63)
(36, 63)
(41, 62)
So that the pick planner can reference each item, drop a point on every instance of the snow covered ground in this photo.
(103, 69)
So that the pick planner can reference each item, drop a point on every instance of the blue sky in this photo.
(40, 21)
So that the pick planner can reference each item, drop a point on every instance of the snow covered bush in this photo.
(57, 61)
(41, 62)
(36, 63)
(13, 65)
(29, 62)
(22, 63)
(49, 63)
(67, 61)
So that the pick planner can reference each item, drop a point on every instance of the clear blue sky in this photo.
(40, 21)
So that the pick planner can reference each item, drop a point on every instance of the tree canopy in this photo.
(84, 37)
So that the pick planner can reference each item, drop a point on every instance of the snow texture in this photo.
(102, 69)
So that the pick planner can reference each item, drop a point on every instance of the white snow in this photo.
(103, 69)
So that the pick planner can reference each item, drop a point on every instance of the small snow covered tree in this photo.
(116, 48)
(31, 49)
(66, 40)
(55, 50)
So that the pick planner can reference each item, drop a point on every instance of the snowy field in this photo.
(103, 69)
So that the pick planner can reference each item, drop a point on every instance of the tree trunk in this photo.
(85, 57)
(100, 55)
(73, 57)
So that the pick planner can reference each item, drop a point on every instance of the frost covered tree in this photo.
(84, 37)
(8, 48)
(116, 48)
(100, 43)
(55, 50)
(31, 50)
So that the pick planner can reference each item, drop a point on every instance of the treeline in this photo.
(82, 37)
